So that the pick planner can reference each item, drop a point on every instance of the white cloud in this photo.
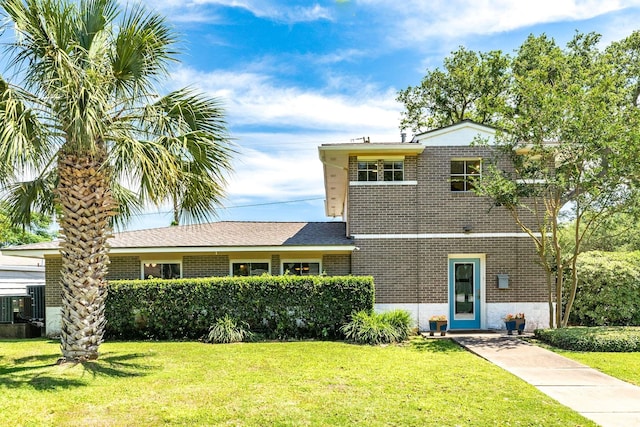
(254, 99)
(418, 20)
(268, 9)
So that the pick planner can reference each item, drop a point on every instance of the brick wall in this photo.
(120, 268)
(124, 267)
(416, 270)
(52, 289)
(205, 265)
(276, 268)
(336, 265)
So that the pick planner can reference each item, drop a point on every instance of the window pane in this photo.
(457, 184)
(259, 268)
(457, 167)
(161, 271)
(473, 167)
(302, 268)
(388, 175)
(240, 269)
(367, 171)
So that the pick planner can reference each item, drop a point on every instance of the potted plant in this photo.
(514, 322)
(438, 324)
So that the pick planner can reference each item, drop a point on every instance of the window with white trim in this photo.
(381, 170)
(249, 268)
(301, 268)
(464, 172)
(393, 170)
(367, 171)
(161, 270)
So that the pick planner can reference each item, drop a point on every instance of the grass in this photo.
(622, 365)
(429, 382)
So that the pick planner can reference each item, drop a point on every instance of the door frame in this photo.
(481, 275)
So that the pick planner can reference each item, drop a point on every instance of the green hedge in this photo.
(276, 306)
(580, 338)
(608, 290)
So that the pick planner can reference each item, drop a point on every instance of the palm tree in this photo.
(85, 133)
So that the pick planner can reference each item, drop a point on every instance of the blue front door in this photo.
(464, 293)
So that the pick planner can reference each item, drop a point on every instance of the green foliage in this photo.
(367, 327)
(279, 307)
(37, 231)
(227, 330)
(473, 85)
(608, 290)
(606, 339)
(618, 233)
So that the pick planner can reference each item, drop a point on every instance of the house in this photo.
(433, 245)
(409, 219)
(21, 297)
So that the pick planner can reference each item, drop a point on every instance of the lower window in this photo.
(166, 270)
(249, 268)
(302, 268)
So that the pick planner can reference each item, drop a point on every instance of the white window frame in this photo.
(160, 261)
(248, 261)
(464, 175)
(308, 260)
(380, 161)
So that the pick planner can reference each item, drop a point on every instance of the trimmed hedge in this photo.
(609, 289)
(278, 307)
(580, 338)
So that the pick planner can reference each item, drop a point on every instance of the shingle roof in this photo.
(225, 234)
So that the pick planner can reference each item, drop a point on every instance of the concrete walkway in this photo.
(606, 400)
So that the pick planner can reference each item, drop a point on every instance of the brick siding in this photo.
(336, 265)
(411, 270)
(205, 265)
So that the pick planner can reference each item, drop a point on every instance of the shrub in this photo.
(274, 306)
(401, 320)
(609, 289)
(367, 327)
(580, 338)
(227, 330)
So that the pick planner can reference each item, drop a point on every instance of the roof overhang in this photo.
(41, 253)
(335, 161)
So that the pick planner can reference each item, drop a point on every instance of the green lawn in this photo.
(624, 366)
(430, 382)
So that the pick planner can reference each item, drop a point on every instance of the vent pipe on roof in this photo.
(403, 136)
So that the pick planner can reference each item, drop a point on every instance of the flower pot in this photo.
(437, 326)
(513, 325)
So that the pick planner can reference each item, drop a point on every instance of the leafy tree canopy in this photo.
(567, 143)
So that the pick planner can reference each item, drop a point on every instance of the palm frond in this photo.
(28, 197)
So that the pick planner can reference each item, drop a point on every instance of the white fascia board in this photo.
(223, 249)
(441, 235)
(206, 249)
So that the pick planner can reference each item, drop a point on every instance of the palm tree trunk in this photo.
(87, 206)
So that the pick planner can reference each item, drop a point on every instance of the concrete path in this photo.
(606, 400)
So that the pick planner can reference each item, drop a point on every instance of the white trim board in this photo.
(441, 236)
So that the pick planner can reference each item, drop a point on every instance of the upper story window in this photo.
(367, 171)
(249, 268)
(161, 270)
(464, 173)
(393, 171)
(381, 170)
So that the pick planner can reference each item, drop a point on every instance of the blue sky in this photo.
(296, 74)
